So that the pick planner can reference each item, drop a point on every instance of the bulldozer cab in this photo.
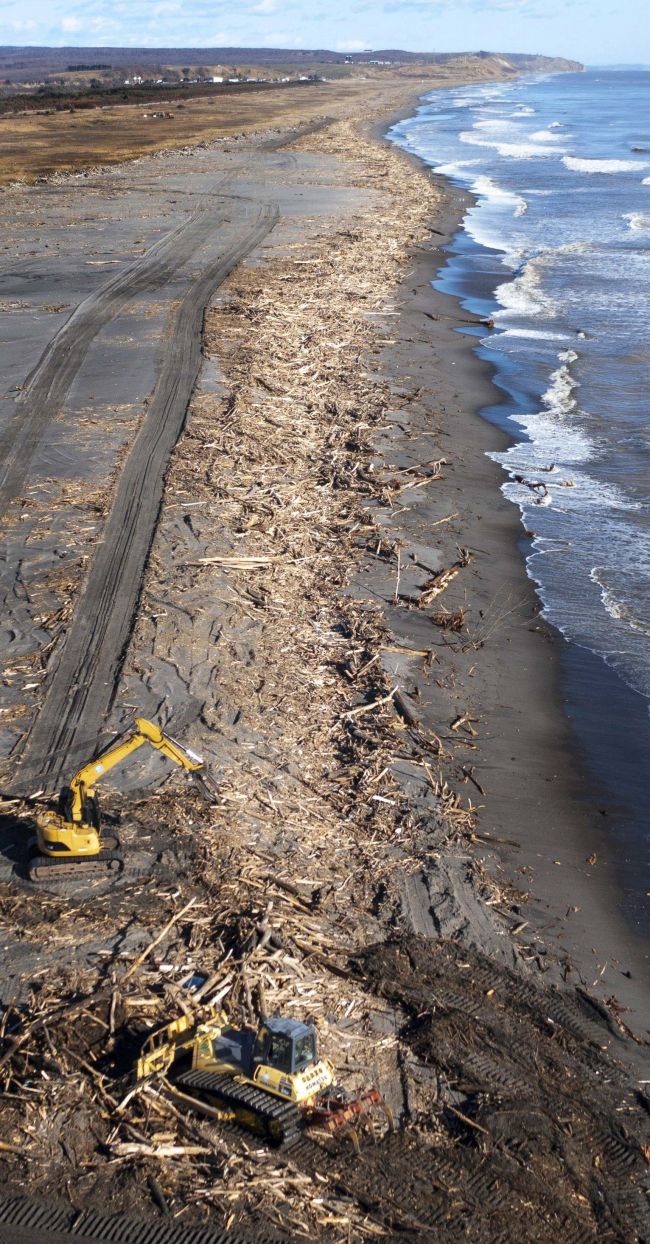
(286, 1045)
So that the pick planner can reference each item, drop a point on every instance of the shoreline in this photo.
(575, 906)
(339, 877)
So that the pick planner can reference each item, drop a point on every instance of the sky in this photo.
(592, 31)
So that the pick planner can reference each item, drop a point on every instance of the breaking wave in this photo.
(579, 165)
(558, 398)
(524, 296)
(638, 222)
(545, 136)
(513, 151)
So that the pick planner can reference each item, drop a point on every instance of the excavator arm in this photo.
(70, 837)
(83, 783)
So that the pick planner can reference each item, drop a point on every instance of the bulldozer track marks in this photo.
(49, 382)
(533, 1102)
(23, 1221)
(489, 1072)
(83, 684)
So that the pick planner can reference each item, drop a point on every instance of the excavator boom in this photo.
(69, 840)
(143, 731)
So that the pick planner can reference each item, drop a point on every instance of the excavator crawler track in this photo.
(47, 870)
(279, 1122)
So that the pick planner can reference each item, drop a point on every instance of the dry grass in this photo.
(38, 146)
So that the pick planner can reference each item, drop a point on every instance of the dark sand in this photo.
(508, 676)
(219, 676)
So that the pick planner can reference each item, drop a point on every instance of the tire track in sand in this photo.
(83, 685)
(49, 382)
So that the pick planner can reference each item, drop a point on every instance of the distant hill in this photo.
(32, 65)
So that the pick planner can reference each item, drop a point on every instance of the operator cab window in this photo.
(305, 1052)
(279, 1055)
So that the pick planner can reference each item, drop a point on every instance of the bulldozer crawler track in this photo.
(271, 1111)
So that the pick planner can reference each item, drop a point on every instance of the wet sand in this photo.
(505, 668)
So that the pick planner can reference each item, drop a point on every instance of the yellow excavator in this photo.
(269, 1080)
(68, 842)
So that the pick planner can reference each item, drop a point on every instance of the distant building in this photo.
(217, 79)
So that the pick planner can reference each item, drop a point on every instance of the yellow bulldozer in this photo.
(69, 841)
(270, 1080)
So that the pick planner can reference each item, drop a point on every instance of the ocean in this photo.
(556, 253)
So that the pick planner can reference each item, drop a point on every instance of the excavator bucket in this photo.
(206, 785)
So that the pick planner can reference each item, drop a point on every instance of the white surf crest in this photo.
(524, 296)
(617, 608)
(488, 189)
(509, 150)
(532, 334)
(638, 222)
(545, 136)
(558, 398)
(579, 165)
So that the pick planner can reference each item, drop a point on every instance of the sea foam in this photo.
(558, 398)
(638, 222)
(578, 165)
(618, 609)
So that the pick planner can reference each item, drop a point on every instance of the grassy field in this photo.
(36, 146)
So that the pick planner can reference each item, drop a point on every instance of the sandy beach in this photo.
(505, 668)
(272, 525)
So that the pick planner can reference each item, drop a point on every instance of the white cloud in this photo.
(71, 24)
(350, 45)
(265, 6)
(282, 39)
